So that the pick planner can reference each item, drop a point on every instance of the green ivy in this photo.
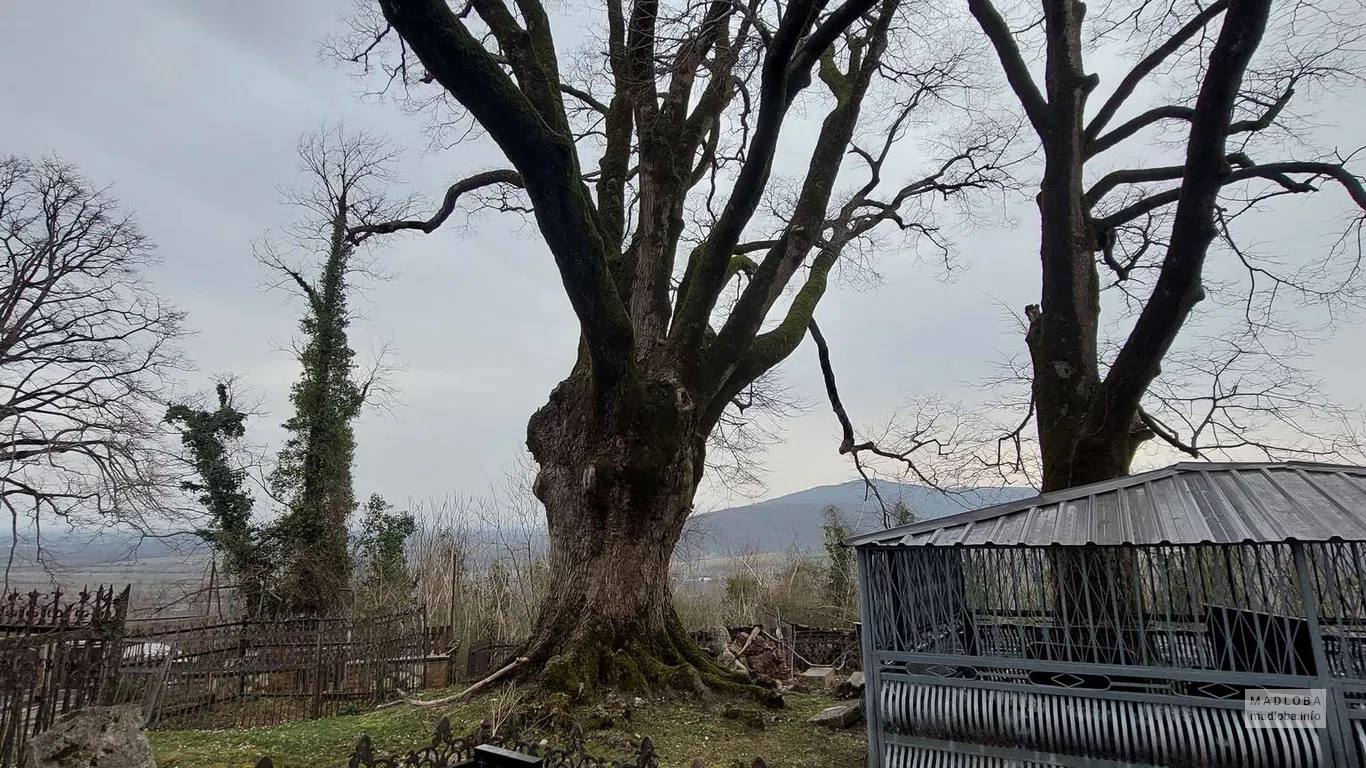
(208, 437)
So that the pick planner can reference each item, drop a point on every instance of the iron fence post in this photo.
(316, 709)
(1334, 728)
(871, 681)
(112, 635)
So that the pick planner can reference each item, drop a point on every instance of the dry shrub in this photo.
(490, 554)
(479, 564)
(746, 586)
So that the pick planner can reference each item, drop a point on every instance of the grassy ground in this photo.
(680, 730)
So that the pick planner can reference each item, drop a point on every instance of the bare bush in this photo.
(749, 587)
(479, 564)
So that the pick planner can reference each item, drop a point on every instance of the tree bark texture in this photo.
(617, 478)
(1090, 425)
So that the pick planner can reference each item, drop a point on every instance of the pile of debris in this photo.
(766, 658)
(750, 650)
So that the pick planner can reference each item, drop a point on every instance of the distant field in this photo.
(164, 582)
(158, 582)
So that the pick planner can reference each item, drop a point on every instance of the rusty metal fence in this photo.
(482, 748)
(488, 656)
(58, 653)
(248, 673)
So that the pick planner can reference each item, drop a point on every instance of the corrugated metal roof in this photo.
(1187, 503)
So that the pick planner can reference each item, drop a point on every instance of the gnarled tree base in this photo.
(588, 660)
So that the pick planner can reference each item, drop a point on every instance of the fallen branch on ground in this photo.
(753, 634)
(406, 699)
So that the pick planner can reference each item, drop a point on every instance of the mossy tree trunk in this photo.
(617, 478)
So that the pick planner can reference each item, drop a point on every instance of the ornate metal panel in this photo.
(58, 653)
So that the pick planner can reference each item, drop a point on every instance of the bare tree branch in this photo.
(1141, 70)
(1012, 62)
(85, 347)
(527, 120)
(427, 226)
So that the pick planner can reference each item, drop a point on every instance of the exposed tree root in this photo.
(588, 661)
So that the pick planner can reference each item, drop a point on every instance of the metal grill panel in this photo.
(898, 756)
(1144, 732)
(1139, 654)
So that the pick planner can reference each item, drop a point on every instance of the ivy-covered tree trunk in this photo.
(209, 437)
(314, 475)
(316, 464)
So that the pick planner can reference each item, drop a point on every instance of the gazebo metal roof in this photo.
(1186, 503)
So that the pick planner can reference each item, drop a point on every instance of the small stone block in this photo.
(840, 716)
(95, 737)
(822, 676)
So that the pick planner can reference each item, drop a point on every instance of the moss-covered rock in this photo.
(746, 716)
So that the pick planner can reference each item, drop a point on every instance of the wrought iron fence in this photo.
(1131, 654)
(58, 653)
(449, 751)
(249, 673)
(820, 646)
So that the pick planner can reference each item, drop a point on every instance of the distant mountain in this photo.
(772, 526)
(779, 524)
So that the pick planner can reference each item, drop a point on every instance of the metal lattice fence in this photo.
(1134, 654)
(807, 646)
(58, 653)
(447, 750)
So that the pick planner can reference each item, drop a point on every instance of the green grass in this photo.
(680, 730)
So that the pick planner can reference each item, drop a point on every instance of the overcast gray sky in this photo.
(191, 109)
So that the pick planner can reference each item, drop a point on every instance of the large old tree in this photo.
(1221, 79)
(85, 351)
(1120, 208)
(1173, 137)
(651, 178)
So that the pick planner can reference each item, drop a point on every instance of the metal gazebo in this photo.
(1123, 623)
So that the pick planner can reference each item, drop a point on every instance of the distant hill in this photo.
(775, 526)
(779, 524)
